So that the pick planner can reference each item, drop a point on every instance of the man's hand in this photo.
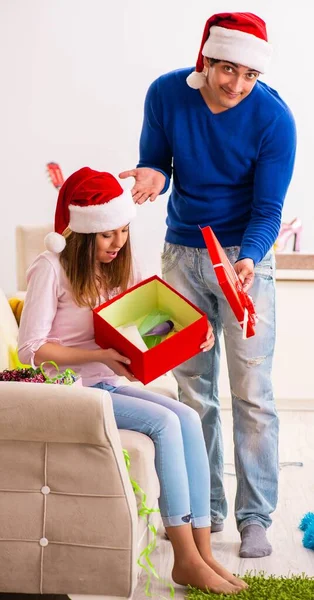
(245, 270)
(210, 339)
(148, 183)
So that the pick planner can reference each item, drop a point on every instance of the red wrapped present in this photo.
(240, 302)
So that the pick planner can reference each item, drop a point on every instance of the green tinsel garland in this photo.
(144, 511)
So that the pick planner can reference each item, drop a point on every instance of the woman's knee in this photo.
(188, 417)
(167, 420)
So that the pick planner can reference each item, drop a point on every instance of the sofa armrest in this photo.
(55, 413)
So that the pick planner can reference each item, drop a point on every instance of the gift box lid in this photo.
(240, 302)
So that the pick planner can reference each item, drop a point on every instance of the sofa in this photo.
(68, 514)
(29, 242)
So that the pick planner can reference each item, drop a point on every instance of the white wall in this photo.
(292, 373)
(74, 74)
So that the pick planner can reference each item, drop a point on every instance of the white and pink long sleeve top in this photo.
(50, 314)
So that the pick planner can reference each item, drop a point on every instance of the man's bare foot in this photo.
(224, 573)
(200, 575)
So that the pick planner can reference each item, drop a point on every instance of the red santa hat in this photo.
(90, 202)
(236, 37)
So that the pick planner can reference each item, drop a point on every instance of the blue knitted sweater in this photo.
(230, 170)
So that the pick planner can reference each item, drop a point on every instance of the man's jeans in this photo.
(255, 420)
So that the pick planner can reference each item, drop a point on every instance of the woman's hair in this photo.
(90, 279)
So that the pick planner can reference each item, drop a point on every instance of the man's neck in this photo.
(214, 108)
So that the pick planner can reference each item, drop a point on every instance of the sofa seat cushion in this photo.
(142, 456)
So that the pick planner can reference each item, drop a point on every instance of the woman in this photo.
(90, 261)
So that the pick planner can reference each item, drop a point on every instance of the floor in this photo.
(296, 497)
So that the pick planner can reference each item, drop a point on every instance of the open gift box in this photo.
(137, 302)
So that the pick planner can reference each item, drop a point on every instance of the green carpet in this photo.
(263, 587)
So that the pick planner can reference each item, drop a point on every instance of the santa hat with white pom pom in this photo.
(89, 202)
(240, 38)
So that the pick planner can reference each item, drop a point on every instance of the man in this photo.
(229, 142)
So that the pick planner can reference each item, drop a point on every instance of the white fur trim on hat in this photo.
(55, 242)
(238, 47)
(103, 217)
(196, 80)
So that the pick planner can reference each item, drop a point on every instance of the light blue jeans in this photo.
(255, 420)
(180, 451)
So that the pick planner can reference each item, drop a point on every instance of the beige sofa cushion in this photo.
(8, 331)
(30, 241)
(142, 455)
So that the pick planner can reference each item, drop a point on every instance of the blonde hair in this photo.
(90, 280)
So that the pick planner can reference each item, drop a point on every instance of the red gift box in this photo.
(240, 302)
(137, 302)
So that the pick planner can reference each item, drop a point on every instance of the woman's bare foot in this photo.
(224, 573)
(200, 575)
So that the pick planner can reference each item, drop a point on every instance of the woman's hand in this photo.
(116, 362)
(148, 183)
(210, 339)
(66, 355)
